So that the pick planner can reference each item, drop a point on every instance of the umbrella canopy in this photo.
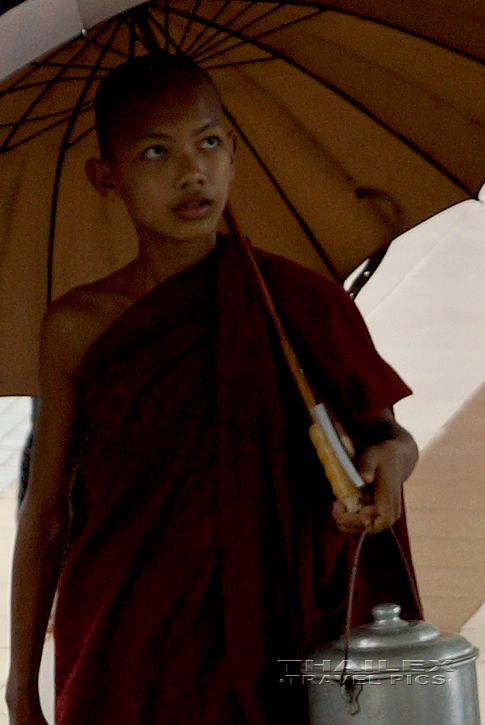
(355, 120)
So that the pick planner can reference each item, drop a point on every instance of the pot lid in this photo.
(391, 643)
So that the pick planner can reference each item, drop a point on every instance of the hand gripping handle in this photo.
(339, 469)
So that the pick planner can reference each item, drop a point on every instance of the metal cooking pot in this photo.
(394, 673)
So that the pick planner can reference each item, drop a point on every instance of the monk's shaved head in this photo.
(136, 80)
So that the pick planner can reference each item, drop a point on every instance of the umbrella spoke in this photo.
(229, 32)
(145, 30)
(250, 40)
(189, 23)
(167, 25)
(194, 44)
(233, 37)
(171, 41)
(411, 32)
(33, 67)
(6, 144)
(31, 136)
(80, 137)
(298, 217)
(58, 81)
(247, 7)
(59, 64)
(45, 129)
(241, 28)
(114, 51)
(232, 64)
(132, 36)
(65, 112)
(280, 55)
(228, 24)
(263, 33)
(194, 48)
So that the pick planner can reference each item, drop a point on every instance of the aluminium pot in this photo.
(394, 673)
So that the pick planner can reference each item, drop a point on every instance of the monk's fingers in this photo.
(380, 523)
(387, 505)
(367, 464)
(352, 523)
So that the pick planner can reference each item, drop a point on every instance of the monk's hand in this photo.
(383, 466)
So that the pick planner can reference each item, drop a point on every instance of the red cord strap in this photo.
(350, 687)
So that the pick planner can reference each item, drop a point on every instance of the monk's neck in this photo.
(156, 262)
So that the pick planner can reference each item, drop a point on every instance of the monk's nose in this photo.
(192, 171)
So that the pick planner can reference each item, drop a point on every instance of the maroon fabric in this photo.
(204, 550)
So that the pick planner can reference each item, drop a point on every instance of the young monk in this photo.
(197, 542)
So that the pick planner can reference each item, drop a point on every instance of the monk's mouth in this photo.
(193, 208)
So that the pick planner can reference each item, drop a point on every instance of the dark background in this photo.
(7, 4)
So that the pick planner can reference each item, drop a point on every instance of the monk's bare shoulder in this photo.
(75, 320)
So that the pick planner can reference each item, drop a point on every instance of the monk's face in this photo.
(172, 162)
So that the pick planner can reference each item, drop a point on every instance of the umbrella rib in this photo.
(206, 27)
(167, 25)
(33, 67)
(31, 137)
(189, 22)
(239, 62)
(80, 137)
(247, 25)
(62, 153)
(111, 50)
(207, 48)
(58, 64)
(244, 10)
(385, 23)
(164, 31)
(406, 31)
(277, 54)
(251, 40)
(263, 33)
(45, 116)
(73, 79)
(132, 36)
(299, 219)
(148, 37)
(41, 95)
(228, 25)
(161, 28)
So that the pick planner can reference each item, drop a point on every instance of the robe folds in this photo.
(204, 553)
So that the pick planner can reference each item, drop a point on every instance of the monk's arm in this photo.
(388, 454)
(44, 519)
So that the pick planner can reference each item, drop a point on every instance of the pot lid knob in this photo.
(386, 616)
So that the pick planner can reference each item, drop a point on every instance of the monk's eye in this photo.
(155, 152)
(211, 142)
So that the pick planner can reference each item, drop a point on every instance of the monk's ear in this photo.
(100, 175)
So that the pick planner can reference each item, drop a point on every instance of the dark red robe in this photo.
(204, 551)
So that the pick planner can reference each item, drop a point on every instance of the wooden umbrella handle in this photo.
(344, 489)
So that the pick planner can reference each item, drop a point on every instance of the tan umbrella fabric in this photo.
(356, 120)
